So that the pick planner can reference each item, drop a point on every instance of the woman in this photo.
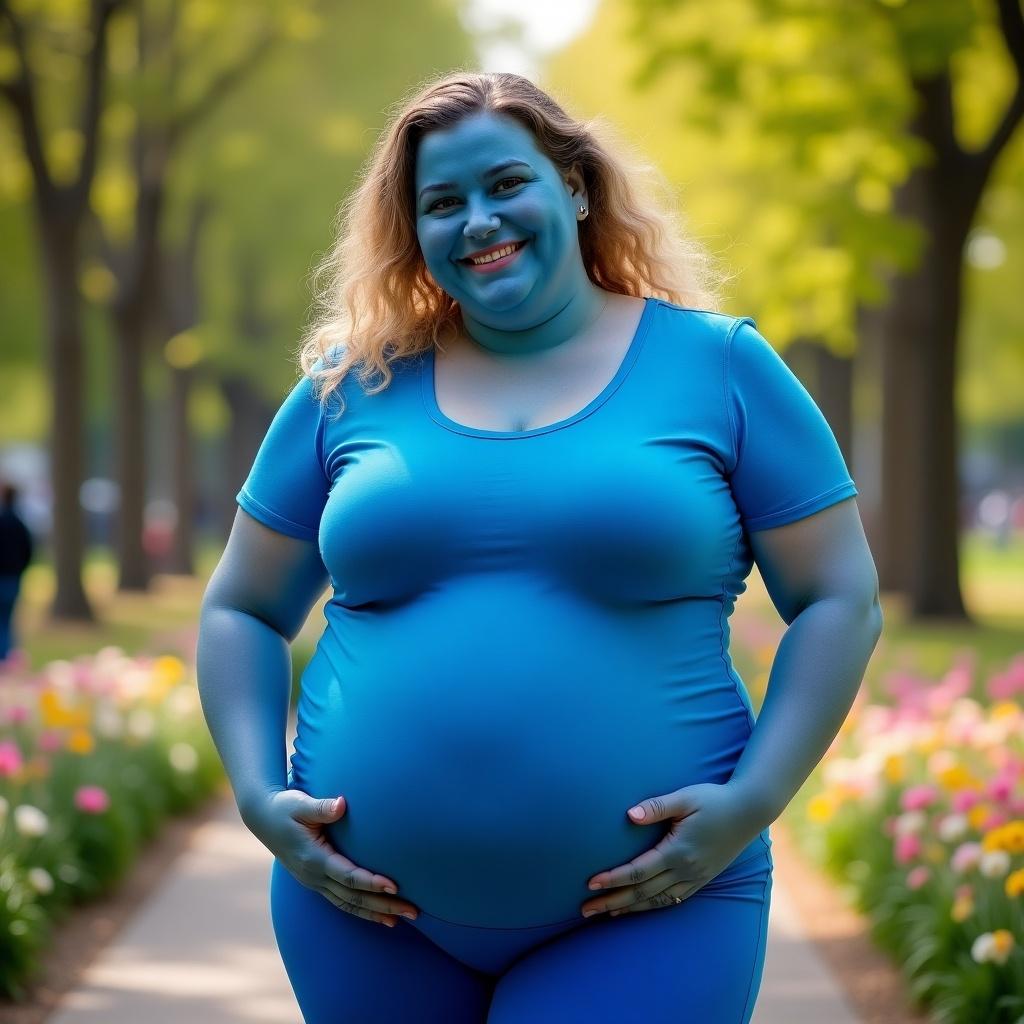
(535, 527)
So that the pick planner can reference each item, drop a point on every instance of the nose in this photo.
(480, 221)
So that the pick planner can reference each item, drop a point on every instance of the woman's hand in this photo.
(288, 823)
(711, 824)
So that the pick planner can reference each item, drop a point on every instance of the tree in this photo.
(60, 204)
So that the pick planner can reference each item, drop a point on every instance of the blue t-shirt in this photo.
(528, 631)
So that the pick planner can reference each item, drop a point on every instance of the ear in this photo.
(576, 186)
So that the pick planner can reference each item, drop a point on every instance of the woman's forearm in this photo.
(244, 670)
(817, 671)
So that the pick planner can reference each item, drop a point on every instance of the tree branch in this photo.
(221, 86)
(21, 95)
(1012, 21)
(96, 60)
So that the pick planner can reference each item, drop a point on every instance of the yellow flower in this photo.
(1014, 884)
(978, 814)
(1013, 836)
(52, 712)
(1002, 940)
(167, 672)
(955, 777)
(894, 768)
(1004, 709)
(963, 907)
(822, 808)
(81, 742)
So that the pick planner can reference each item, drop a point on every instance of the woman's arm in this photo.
(822, 579)
(256, 602)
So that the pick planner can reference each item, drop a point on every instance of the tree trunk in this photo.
(64, 337)
(130, 420)
(182, 559)
(250, 417)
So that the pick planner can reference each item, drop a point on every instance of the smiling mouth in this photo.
(493, 257)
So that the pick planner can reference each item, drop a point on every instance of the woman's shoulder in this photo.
(706, 329)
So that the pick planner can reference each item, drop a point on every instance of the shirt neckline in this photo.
(632, 351)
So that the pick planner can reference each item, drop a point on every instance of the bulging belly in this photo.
(491, 784)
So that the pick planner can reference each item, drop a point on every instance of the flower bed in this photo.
(94, 754)
(919, 809)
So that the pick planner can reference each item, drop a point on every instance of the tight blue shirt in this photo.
(528, 631)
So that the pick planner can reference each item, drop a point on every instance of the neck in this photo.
(572, 315)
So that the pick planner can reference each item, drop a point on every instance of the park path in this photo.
(201, 949)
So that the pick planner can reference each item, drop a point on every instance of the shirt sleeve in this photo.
(287, 488)
(787, 463)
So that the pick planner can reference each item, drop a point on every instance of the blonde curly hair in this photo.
(375, 300)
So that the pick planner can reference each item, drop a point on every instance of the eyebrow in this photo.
(487, 174)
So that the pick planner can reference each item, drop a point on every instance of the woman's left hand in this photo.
(711, 824)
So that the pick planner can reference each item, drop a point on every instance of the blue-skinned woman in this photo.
(534, 465)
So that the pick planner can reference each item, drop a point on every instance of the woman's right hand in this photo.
(289, 824)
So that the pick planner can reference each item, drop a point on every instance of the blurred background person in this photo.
(15, 556)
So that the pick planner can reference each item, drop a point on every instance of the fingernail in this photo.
(636, 812)
(390, 924)
(409, 914)
(594, 885)
(589, 913)
(390, 888)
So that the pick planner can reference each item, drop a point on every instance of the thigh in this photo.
(344, 969)
(694, 963)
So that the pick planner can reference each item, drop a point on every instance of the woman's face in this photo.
(498, 187)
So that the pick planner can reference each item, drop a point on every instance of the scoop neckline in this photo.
(632, 351)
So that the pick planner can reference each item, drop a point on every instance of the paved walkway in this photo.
(202, 950)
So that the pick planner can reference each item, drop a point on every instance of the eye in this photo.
(513, 178)
(437, 205)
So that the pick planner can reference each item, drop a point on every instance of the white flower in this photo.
(994, 863)
(68, 873)
(990, 946)
(30, 821)
(141, 723)
(60, 675)
(40, 879)
(982, 947)
(134, 683)
(108, 721)
(910, 821)
(183, 757)
(182, 701)
(952, 827)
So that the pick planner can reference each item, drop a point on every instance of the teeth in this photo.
(491, 257)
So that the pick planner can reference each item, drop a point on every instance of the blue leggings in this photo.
(695, 963)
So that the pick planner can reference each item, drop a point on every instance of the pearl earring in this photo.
(583, 210)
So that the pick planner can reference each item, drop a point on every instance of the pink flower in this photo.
(908, 846)
(10, 758)
(964, 799)
(92, 799)
(965, 857)
(1000, 787)
(1004, 685)
(16, 713)
(50, 740)
(994, 820)
(16, 660)
(916, 877)
(917, 797)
